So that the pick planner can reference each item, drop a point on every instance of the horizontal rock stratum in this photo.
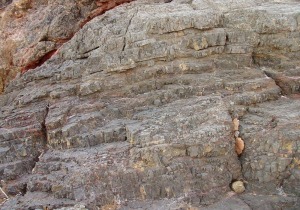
(136, 110)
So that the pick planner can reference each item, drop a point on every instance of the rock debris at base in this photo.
(140, 107)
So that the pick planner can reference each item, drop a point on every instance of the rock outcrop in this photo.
(32, 31)
(136, 111)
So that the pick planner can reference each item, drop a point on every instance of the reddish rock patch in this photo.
(39, 62)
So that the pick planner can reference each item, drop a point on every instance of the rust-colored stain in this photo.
(34, 64)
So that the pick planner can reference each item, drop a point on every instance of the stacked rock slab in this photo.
(136, 110)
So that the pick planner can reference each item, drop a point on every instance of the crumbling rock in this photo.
(136, 110)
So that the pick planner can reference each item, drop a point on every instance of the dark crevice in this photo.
(44, 137)
(39, 62)
(36, 159)
(227, 38)
(43, 39)
(88, 51)
(82, 58)
(85, 54)
(273, 77)
(43, 125)
(23, 190)
(124, 46)
(268, 74)
(232, 181)
(58, 41)
(254, 60)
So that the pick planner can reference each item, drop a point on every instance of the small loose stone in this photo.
(239, 145)
(238, 186)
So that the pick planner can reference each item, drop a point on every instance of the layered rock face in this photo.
(32, 31)
(136, 110)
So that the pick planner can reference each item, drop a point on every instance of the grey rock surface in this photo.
(136, 110)
(271, 159)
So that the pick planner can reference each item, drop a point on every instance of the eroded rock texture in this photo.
(136, 110)
(32, 31)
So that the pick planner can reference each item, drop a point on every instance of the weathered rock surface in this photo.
(32, 31)
(272, 153)
(136, 110)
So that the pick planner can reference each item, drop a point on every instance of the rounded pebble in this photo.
(238, 186)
